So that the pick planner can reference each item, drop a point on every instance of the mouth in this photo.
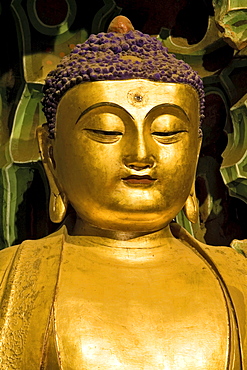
(138, 180)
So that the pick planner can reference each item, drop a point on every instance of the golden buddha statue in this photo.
(122, 287)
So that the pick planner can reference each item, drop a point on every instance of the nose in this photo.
(139, 152)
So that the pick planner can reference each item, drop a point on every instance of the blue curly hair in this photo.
(116, 56)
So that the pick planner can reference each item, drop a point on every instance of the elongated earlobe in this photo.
(58, 200)
(57, 207)
(191, 209)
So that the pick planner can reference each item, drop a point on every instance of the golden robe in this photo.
(34, 278)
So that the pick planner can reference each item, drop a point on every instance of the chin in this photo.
(129, 220)
(135, 224)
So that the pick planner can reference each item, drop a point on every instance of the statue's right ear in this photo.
(58, 200)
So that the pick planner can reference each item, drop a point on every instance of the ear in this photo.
(191, 208)
(58, 200)
(200, 137)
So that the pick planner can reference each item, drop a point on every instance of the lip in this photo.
(139, 180)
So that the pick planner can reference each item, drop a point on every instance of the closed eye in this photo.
(107, 133)
(168, 137)
(104, 136)
(170, 133)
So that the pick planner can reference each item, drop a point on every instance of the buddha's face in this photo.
(125, 152)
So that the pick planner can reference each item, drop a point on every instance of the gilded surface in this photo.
(127, 311)
(25, 300)
(206, 300)
(123, 291)
(125, 138)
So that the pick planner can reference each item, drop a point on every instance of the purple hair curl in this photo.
(116, 56)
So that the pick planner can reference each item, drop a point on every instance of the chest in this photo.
(161, 316)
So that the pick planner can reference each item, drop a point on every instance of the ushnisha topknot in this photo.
(116, 56)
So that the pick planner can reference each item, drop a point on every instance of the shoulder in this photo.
(230, 266)
(7, 256)
(229, 256)
(228, 263)
(30, 250)
(29, 275)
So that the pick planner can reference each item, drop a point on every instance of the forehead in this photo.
(136, 96)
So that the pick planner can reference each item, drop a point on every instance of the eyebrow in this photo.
(167, 105)
(102, 104)
(109, 104)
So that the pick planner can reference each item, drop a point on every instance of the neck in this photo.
(83, 228)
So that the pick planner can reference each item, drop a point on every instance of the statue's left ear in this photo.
(58, 200)
(191, 208)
